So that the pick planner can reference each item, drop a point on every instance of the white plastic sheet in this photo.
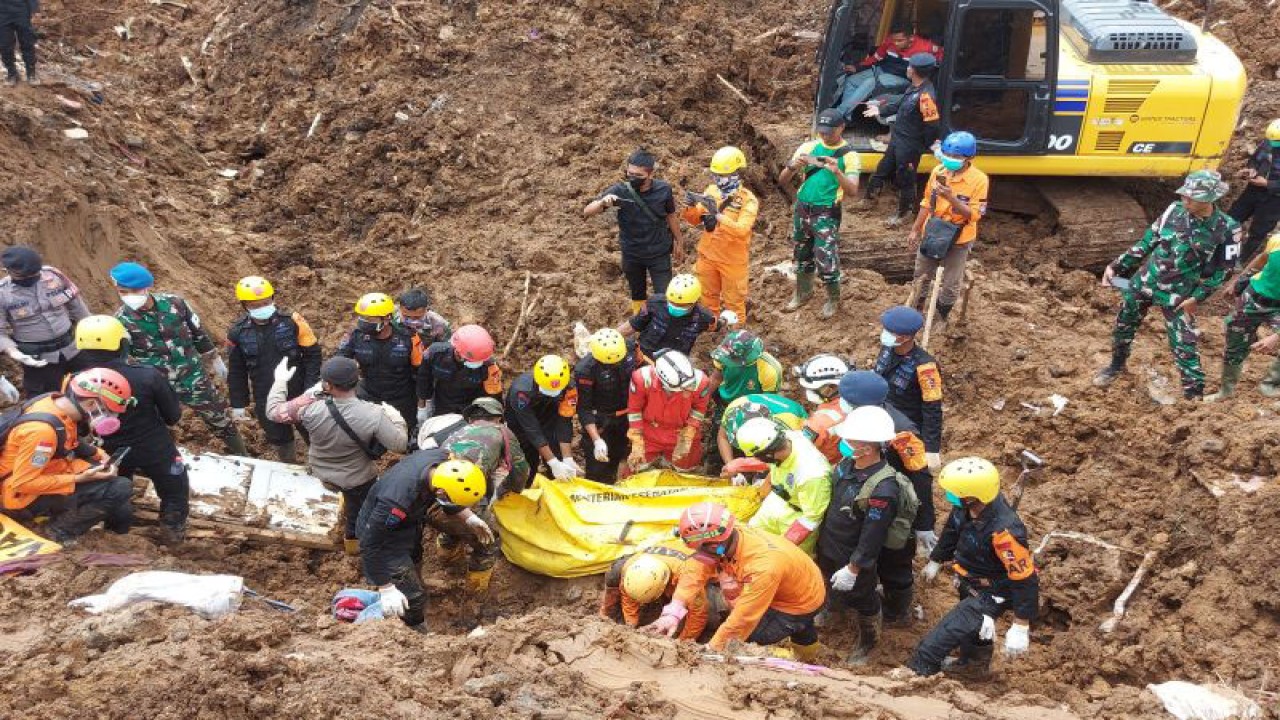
(1188, 701)
(210, 596)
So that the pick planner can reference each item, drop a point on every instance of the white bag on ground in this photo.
(1188, 701)
(210, 596)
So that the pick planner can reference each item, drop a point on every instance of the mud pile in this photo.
(342, 148)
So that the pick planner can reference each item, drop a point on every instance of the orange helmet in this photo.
(106, 386)
(706, 524)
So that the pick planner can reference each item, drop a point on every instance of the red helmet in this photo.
(472, 343)
(706, 523)
(107, 386)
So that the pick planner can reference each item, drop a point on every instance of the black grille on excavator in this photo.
(1126, 31)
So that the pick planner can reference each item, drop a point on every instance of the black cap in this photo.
(21, 260)
(830, 119)
(923, 60)
(342, 372)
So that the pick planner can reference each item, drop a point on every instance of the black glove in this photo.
(1242, 282)
(709, 222)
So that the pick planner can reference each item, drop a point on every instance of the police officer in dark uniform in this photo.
(458, 371)
(391, 520)
(866, 537)
(16, 29)
(986, 543)
(389, 356)
(256, 343)
(915, 383)
(862, 388)
(145, 426)
(1261, 197)
(540, 409)
(602, 379)
(672, 321)
(916, 126)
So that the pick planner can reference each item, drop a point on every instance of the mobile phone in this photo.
(116, 458)
(1120, 283)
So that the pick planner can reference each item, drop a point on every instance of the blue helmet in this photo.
(960, 144)
(863, 387)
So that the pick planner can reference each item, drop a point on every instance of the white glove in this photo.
(394, 603)
(934, 460)
(240, 414)
(8, 393)
(25, 359)
(609, 200)
(483, 532)
(219, 367)
(560, 470)
(926, 541)
(930, 572)
(843, 579)
(424, 413)
(738, 480)
(283, 372)
(600, 449)
(728, 318)
(1016, 640)
(988, 629)
(573, 467)
(315, 390)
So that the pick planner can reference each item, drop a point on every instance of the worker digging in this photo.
(429, 434)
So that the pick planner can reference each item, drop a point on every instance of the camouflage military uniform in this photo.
(169, 337)
(1180, 257)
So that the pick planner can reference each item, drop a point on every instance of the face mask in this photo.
(727, 183)
(813, 397)
(677, 311)
(369, 326)
(103, 424)
(950, 163)
(263, 313)
(413, 323)
(549, 393)
(135, 302)
(637, 182)
(846, 450)
(474, 365)
(845, 407)
(1274, 143)
(954, 500)
(888, 339)
(26, 281)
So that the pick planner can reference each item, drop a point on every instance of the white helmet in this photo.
(868, 423)
(820, 371)
(675, 370)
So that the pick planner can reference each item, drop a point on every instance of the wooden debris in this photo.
(1117, 610)
(526, 306)
(741, 95)
(220, 529)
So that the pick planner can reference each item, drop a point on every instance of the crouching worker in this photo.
(48, 470)
(644, 578)
(986, 543)
(775, 589)
(391, 522)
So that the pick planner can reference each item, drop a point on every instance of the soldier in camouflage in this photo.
(1257, 292)
(1180, 261)
(165, 333)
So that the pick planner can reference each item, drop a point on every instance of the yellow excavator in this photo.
(1063, 96)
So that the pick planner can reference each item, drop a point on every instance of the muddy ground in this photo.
(378, 144)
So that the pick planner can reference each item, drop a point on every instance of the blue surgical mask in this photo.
(1274, 143)
(948, 162)
(262, 313)
(677, 311)
(473, 365)
(954, 499)
(888, 339)
(846, 450)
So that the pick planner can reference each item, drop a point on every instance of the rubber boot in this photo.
(173, 531)
(806, 653)
(804, 291)
(897, 608)
(11, 75)
(351, 546)
(868, 634)
(32, 78)
(478, 580)
(288, 453)
(235, 444)
(973, 663)
(420, 628)
(1108, 374)
(1270, 386)
(832, 304)
(1227, 387)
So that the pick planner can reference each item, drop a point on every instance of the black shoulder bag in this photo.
(939, 235)
(372, 448)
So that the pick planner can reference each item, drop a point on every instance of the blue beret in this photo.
(132, 276)
(902, 320)
(863, 387)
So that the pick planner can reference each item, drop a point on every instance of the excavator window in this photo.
(998, 53)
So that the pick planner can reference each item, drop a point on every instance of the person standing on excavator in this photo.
(916, 126)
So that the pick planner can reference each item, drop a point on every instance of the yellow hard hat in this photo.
(462, 481)
(759, 435)
(645, 578)
(1273, 130)
(684, 289)
(608, 346)
(551, 373)
(253, 288)
(100, 332)
(375, 305)
(971, 477)
(727, 161)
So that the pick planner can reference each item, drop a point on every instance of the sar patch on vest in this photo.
(930, 382)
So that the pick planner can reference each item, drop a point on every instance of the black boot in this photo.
(287, 452)
(974, 663)
(32, 78)
(11, 74)
(1108, 374)
(897, 608)
(868, 635)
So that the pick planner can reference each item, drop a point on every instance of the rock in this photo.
(135, 141)
(573, 594)
(489, 686)
(1212, 445)
(1058, 371)
(1021, 354)
(447, 33)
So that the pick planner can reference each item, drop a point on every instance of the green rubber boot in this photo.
(804, 291)
(1270, 386)
(1230, 376)
(832, 305)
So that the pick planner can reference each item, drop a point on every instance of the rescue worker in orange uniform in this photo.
(727, 212)
(649, 575)
(49, 470)
(665, 409)
(820, 377)
(774, 587)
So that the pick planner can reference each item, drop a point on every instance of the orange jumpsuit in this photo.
(817, 427)
(723, 253)
(32, 464)
(673, 553)
(773, 574)
(660, 417)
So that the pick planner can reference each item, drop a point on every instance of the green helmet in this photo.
(1204, 186)
(740, 348)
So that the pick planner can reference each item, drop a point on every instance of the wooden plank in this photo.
(262, 535)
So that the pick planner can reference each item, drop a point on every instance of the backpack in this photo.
(19, 415)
